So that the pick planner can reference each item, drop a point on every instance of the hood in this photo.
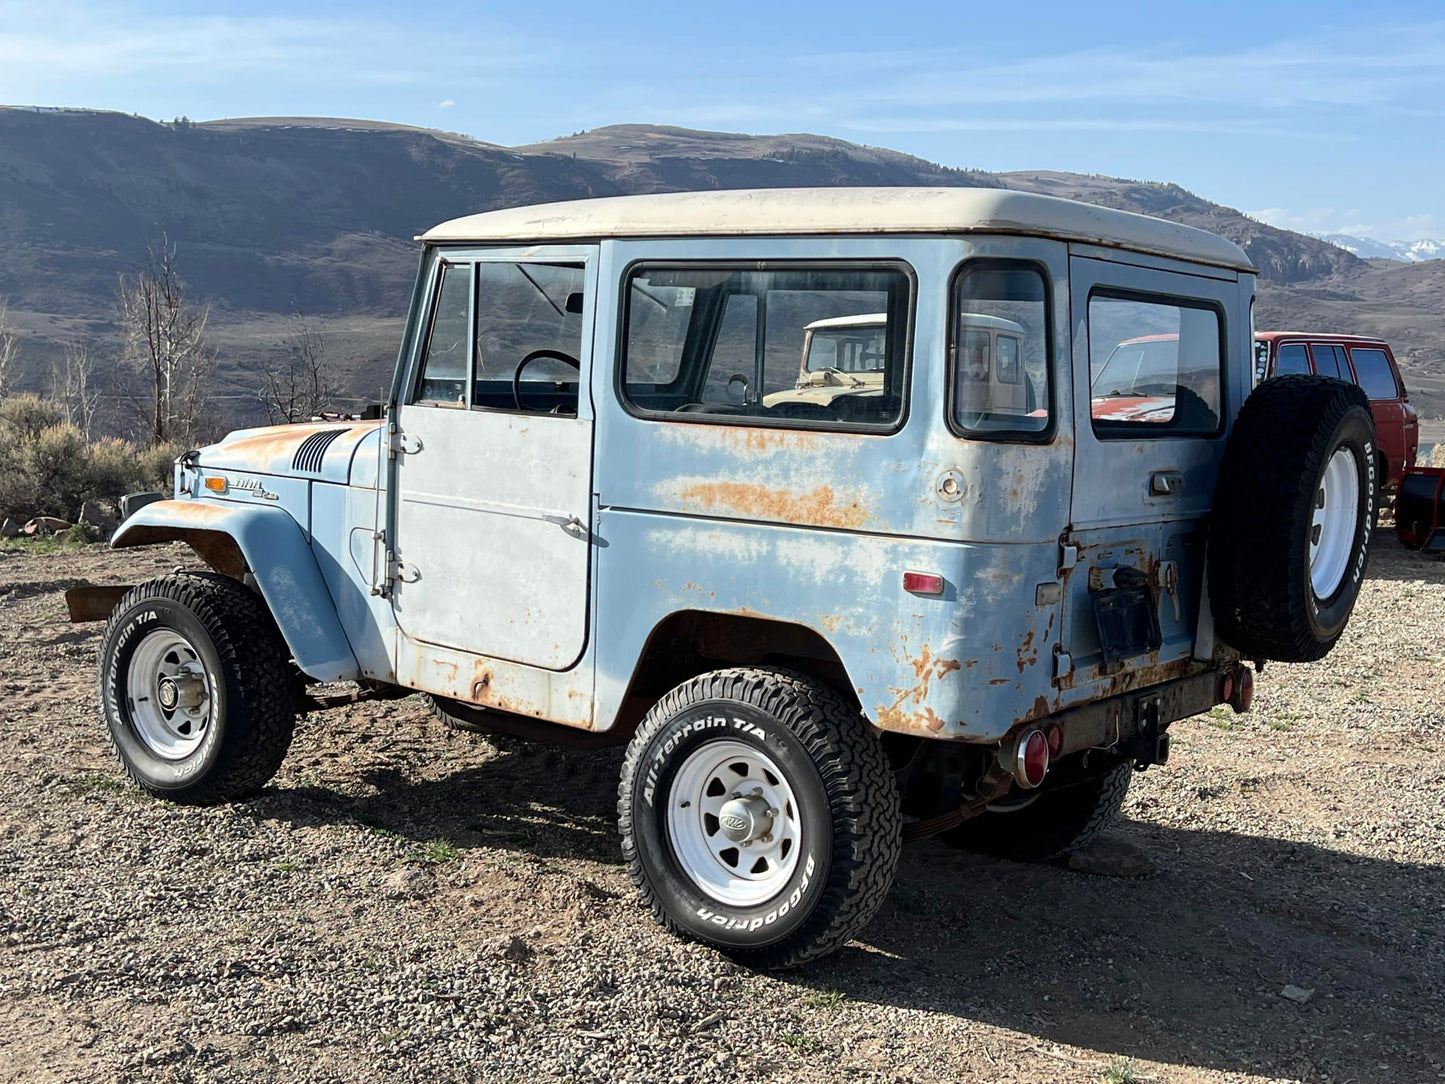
(319, 450)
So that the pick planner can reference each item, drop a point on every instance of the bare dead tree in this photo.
(303, 384)
(9, 351)
(72, 385)
(165, 341)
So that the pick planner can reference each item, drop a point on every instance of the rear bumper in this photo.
(1121, 721)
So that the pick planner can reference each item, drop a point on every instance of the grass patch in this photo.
(825, 999)
(1222, 719)
(71, 541)
(373, 824)
(1122, 1071)
(287, 867)
(1360, 696)
(95, 783)
(439, 852)
(798, 1041)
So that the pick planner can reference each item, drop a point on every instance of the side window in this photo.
(783, 345)
(1377, 376)
(1328, 361)
(529, 318)
(1154, 366)
(1291, 359)
(444, 363)
(999, 352)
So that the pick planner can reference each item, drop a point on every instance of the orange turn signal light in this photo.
(216, 485)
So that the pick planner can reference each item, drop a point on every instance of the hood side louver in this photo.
(313, 449)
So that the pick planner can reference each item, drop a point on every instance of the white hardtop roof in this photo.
(997, 323)
(804, 211)
(862, 319)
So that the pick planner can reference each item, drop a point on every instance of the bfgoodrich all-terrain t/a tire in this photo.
(1294, 509)
(196, 688)
(759, 815)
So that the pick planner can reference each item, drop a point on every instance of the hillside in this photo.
(272, 215)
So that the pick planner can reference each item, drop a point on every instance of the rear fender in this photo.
(267, 542)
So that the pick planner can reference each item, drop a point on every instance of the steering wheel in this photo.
(537, 355)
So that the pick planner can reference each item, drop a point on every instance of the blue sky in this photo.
(1327, 116)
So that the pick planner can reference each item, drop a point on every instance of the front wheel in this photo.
(196, 688)
(759, 815)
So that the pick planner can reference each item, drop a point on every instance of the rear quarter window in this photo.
(1376, 375)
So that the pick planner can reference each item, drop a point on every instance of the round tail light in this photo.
(1031, 761)
(1243, 692)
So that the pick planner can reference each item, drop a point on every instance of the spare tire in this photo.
(1294, 509)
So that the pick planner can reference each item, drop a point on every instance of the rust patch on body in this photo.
(280, 441)
(1028, 654)
(758, 502)
(909, 710)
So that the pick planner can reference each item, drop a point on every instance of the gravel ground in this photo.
(405, 903)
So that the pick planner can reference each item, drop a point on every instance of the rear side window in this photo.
(1330, 361)
(1291, 359)
(999, 352)
(1154, 365)
(811, 347)
(1377, 376)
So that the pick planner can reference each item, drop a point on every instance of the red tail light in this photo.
(1031, 761)
(1243, 692)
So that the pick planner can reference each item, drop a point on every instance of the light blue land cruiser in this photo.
(968, 598)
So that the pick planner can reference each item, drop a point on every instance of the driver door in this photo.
(493, 477)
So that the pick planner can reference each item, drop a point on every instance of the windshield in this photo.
(849, 350)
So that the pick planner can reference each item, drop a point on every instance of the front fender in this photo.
(270, 544)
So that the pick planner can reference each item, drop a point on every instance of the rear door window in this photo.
(1291, 359)
(1155, 366)
(1376, 375)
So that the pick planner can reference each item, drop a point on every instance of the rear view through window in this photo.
(1154, 366)
(999, 352)
(814, 346)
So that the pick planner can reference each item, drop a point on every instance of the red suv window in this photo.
(1376, 374)
(1291, 360)
(1330, 361)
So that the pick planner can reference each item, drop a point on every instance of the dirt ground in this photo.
(405, 903)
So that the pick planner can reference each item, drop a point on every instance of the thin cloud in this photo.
(446, 104)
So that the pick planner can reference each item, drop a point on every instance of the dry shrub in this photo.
(48, 469)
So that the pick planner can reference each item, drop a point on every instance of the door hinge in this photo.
(1063, 663)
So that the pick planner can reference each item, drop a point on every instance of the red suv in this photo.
(1360, 360)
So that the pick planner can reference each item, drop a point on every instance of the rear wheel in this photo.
(1040, 825)
(196, 688)
(758, 814)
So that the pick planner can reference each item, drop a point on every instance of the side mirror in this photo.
(738, 389)
(573, 304)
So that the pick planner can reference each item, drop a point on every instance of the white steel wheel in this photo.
(734, 824)
(1333, 523)
(169, 694)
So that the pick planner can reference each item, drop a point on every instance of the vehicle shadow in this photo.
(1390, 560)
(1185, 966)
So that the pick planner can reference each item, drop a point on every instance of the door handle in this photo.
(1166, 483)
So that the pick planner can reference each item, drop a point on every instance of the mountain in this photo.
(1367, 248)
(272, 215)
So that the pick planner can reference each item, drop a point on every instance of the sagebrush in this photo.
(47, 468)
